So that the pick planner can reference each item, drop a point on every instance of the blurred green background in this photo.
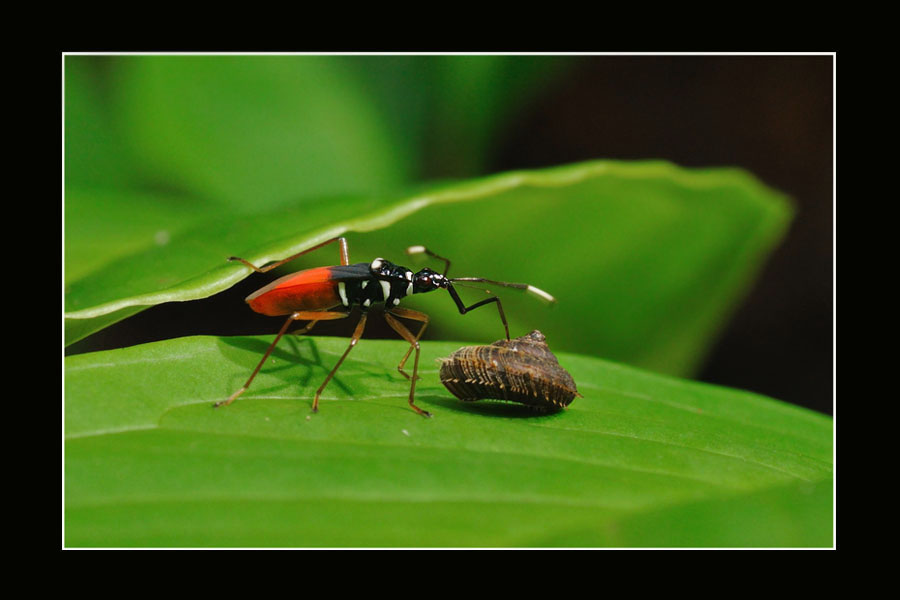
(651, 266)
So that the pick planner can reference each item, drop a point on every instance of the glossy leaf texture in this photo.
(642, 460)
(257, 130)
(647, 260)
(263, 131)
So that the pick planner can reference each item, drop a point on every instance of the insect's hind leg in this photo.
(305, 329)
(357, 333)
(313, 316)
(345, 255)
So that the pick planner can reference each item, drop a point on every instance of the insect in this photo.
(520, 370)
(329, 293)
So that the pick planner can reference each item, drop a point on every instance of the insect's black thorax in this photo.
(366, 284)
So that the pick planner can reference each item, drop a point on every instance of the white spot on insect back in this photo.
(342, 290)
(364, 283)
(409, 275)
(367, 302)
(376, 264)
(385, 289)
(409, 289)
(396, 301)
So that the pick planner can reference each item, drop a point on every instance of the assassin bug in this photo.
(328, 293)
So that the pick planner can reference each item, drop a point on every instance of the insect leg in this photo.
(297, 316)
(417, 316)
(414, 343)
(357, 333)
(345, 256)
(463, 309)
(305, 329)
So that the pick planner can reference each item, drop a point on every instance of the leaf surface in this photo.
(255, 131)
(640, 460)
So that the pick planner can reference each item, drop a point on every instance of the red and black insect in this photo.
(328, 293)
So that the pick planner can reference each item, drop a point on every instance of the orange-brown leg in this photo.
(314, 316)
(407, 335)
(415, 315)
(345, 256)
(305, 329)
(357, 333)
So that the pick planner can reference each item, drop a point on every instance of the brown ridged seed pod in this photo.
(520, 370)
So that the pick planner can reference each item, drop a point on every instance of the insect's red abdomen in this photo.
(313, 289)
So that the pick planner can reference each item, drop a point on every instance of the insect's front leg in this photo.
(463, 309)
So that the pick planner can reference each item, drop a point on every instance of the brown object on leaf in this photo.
(522, 370)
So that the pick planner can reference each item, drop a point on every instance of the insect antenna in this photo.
(463, 309)
(474, 287)
(519, 286)
(423, 250)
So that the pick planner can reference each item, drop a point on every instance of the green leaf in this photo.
(105, 226)
(641, 460)
(255, 131)
(95, 153)
(646, 259)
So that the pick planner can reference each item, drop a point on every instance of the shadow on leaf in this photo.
(491, 408)
(291, 352)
